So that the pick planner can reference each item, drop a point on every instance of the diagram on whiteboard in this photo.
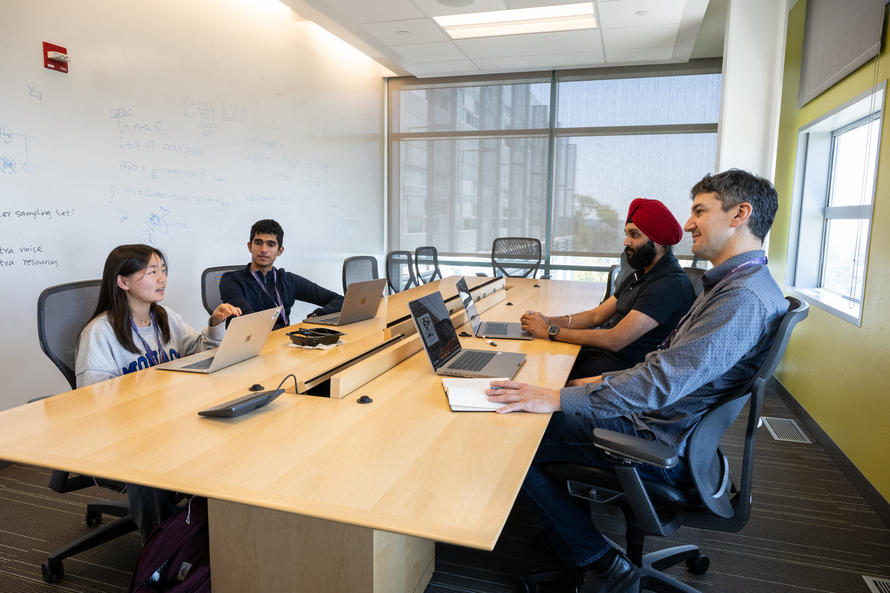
(14, 153)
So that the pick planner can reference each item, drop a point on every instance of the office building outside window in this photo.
(557, 156)
(837, 157)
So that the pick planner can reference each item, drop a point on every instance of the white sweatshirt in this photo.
(100, 356)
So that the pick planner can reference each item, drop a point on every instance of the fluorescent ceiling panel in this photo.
(522, 21)
(530, 45)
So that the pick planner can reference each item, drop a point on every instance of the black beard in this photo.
(642, 257)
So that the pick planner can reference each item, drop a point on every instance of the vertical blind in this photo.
(470, 156)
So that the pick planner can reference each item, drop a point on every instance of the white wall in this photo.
(753, 61)
(179, 124)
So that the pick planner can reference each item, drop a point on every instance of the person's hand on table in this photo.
(535, 323)
(524, 397)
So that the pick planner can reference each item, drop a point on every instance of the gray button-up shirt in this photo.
(716, 349)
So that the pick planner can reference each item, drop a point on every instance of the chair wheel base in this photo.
(93, 517)
(698, 565)
(52, 570)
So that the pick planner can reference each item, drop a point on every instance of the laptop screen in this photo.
(463, 291)
(435, 328)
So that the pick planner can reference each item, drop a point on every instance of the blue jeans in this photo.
(566, 518)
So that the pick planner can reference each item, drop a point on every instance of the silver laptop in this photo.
(509, 330)
(443, 347)
(245, 338)
(361, 302)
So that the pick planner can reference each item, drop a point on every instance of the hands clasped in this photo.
(535, 323)
(524, 397)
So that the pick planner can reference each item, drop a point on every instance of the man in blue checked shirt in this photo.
(715, 348)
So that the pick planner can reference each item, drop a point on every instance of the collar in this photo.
(715, 275)
(662, 263)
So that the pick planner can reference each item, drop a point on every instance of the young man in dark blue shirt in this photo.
(261, 286)
(644, 308)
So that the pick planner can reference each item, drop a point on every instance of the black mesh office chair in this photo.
(426, 260)
(611, 282)
(62, 312)
(400, 271)
(695, 276)
(359, 269)
(210, 286)
(714, 502)
(515, 256)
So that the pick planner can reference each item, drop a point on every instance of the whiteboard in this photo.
(179, 124)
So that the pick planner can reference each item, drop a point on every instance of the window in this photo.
(834, 187)
(557, 156)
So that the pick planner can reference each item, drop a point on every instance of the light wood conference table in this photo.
(310, 493)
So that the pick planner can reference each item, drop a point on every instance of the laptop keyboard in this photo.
(201, 364)
(495, 328)
(471, 361)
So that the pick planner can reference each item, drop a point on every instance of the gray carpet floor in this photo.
(810, 531)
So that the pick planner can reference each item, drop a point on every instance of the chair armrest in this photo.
(633, 449)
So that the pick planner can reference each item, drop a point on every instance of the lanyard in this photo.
(757, 261)
(277, 299)
(152, 358)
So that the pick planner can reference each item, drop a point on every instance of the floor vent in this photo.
(784, 429)
(877, 585)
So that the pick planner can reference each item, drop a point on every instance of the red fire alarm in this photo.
(55, 57)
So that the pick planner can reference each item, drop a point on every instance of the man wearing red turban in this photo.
(644, 308)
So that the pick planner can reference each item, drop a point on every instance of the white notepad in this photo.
(468, 395)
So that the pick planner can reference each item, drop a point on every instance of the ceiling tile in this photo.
(363, 11)
(433, 8)
(645, 55)
(420, 53)
(415, 31)
(640, 37)
(544, 62)
(528, 45)
(444, 68)
(624, 13)
(534, 3)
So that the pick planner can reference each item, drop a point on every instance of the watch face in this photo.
(553, 330)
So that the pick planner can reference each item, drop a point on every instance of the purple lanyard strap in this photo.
(152, 358)
(277, 299)
(758, 261)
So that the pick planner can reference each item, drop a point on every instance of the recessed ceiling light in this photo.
(455, 3)
(519, 21)
(642, 12)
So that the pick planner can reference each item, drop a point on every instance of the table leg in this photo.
(261, 550)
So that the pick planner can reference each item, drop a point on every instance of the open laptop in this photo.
(361, 302)
(510, 330)
(443, 347)
(245, 338)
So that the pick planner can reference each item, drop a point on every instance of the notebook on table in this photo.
(443, 347)
(468, 395)
(361, 302)
(509, 330)
(245, 338)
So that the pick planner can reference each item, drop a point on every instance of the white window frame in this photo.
(810, 210)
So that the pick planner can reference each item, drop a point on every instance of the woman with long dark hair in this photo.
(130, 331)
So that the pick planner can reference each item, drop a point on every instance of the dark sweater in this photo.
(242, 290)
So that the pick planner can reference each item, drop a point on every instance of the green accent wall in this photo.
(838, 372)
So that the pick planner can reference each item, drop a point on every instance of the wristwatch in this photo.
(552, 331)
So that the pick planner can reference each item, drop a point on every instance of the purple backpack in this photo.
(176, 557)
